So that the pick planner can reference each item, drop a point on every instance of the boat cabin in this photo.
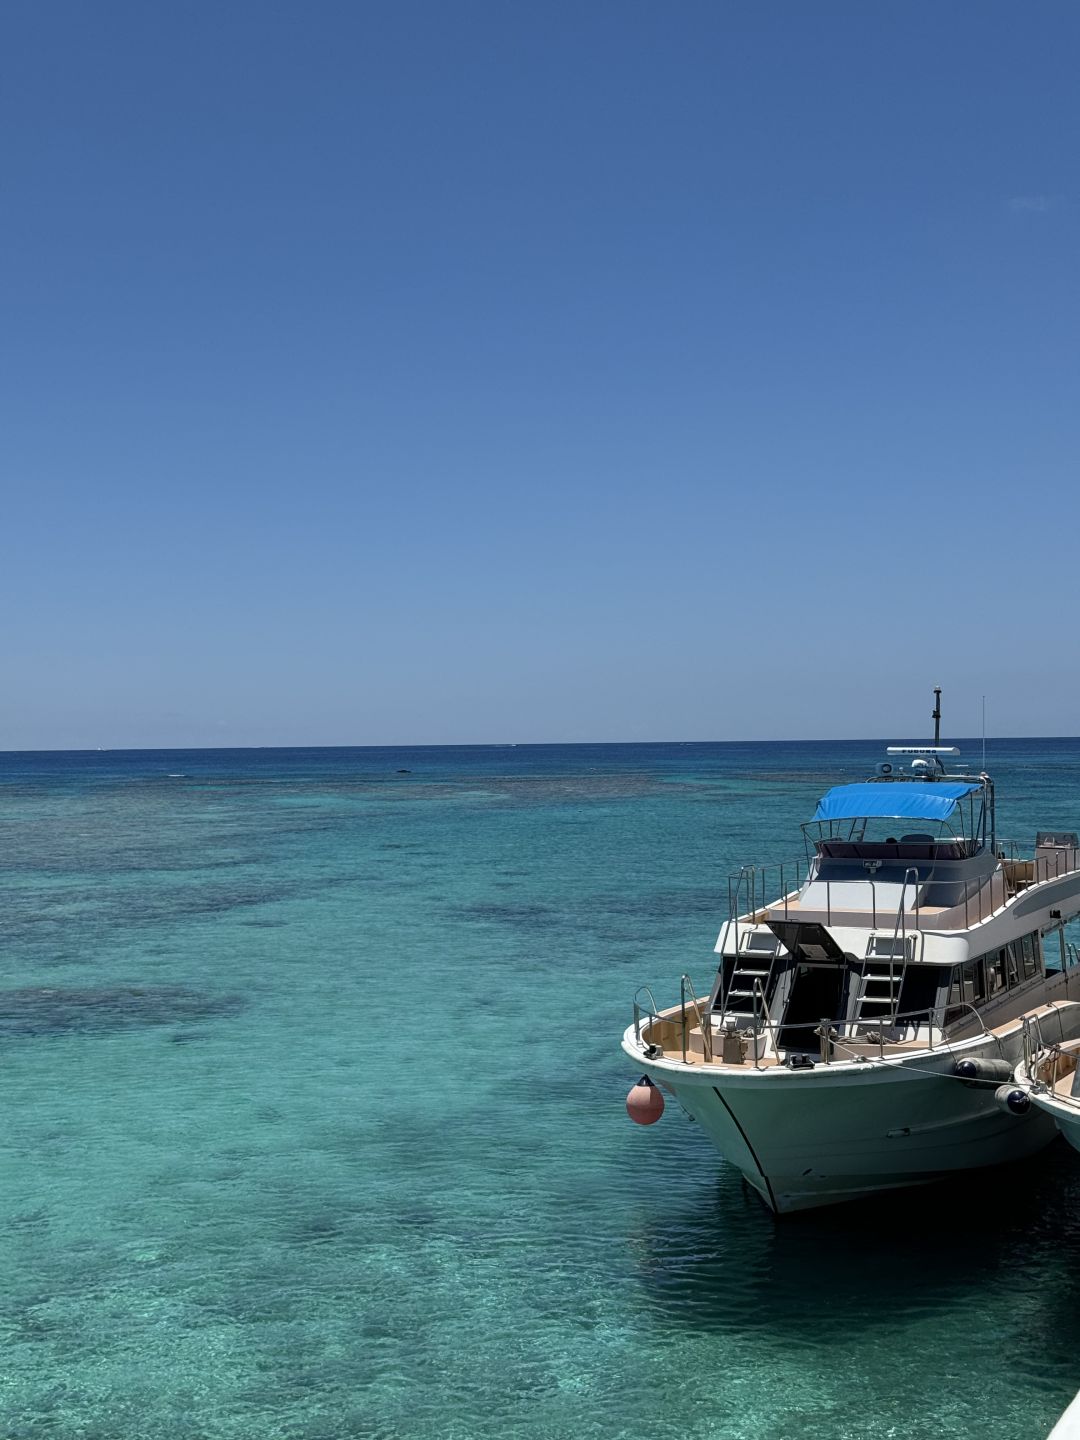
(899, 929)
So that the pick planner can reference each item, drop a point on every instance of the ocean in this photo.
(314, 1122)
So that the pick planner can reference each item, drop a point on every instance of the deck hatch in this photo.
(809, 942)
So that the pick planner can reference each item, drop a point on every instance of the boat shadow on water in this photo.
(723, 1262)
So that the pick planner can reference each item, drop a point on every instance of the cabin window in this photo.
(978, 980)
(995, 972)
(1054, 952)
(962, 989)
(1030, 948)
(967, 989)
(1012, 961)
(959, 993)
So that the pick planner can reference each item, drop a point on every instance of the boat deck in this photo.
(667, 1033)
(1011, 879)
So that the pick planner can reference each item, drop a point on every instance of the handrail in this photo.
(1032, 1047)
(1038, 1053)
(1026, 1053)
(764, 1025)
(934, 1021)
(763, 1022)
(685, 983)
(964, 1005)
(759, 995)
(637, 1010)
(751, 878)
(899, 935)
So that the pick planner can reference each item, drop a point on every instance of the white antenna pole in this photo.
(984, 733)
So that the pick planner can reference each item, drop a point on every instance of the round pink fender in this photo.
(644, 1104)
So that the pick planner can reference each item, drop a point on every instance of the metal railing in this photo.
(1046, 1063)
(762, 1013)
(640, 1013)
(750, 888)
(1050, 866)
(828, 1033)
(1032, 1046)
(997, 875)
(685, 983)
(900, 928)
(1005, 882)
(761, 891)
(751, 882)
(790, 875)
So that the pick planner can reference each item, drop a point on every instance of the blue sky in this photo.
(426, 372)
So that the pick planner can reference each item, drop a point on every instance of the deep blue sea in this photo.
(314, 1127)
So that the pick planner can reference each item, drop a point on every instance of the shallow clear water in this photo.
(314, 1117)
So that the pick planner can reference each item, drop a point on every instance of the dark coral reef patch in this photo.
(49, 1010)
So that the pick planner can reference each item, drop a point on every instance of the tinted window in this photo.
(978, 981)
(1030, 957)
(1012, 961)
(995, 971)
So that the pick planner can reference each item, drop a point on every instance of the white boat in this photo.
(1068, 1427)
(870, 1001)
(1049, 1076)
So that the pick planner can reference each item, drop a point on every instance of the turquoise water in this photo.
(314, 1117)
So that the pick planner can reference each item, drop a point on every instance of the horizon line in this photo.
(512, 744)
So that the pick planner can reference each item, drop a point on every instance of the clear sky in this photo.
(450, 371)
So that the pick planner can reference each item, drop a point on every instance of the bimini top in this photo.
(907, 800)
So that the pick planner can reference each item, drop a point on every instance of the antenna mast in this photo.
(984, 733)
(936, 716)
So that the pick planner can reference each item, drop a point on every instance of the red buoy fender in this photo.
(644, 1104)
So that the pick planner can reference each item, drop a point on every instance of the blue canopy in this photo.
(894, 800)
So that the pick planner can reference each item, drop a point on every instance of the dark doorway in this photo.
(816, 993)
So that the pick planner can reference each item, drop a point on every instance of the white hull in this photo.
(840, 1132)
(1068, 1427)
(1064, 1115)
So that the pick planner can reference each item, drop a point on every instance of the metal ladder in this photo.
(752, 969)
(879, 993)
(739, 999)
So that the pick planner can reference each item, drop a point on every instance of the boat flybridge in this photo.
(871, 998)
